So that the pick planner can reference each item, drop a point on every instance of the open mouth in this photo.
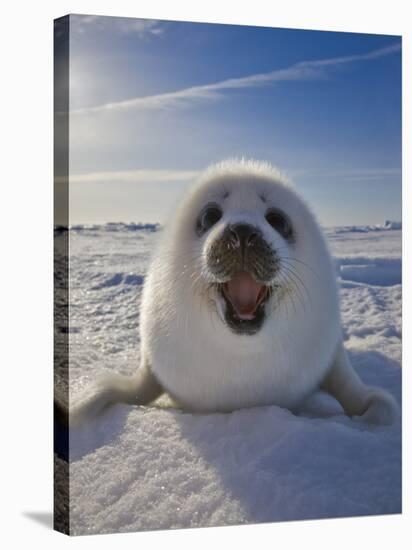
(245, 299)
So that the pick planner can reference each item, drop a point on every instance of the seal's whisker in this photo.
(289, 279)
(293, 271)
(297, 287)
(292, 259)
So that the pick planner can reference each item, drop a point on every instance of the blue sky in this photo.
(154, 102)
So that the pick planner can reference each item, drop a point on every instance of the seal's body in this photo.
(240, 306)
(198, 357)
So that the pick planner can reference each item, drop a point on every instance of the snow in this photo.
(157, 467)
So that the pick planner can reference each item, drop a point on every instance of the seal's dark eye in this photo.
(279, 222)
(208, 218)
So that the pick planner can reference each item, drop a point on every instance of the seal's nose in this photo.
(243, 234)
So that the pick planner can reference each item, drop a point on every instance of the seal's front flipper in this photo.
(111, 388)
(372, 405)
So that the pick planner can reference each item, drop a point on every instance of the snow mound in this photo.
(388, 225)
(392, 225)
(372, 271)
(120, 279)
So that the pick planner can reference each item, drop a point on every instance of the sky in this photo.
(152, 103)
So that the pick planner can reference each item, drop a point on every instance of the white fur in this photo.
(191, 351)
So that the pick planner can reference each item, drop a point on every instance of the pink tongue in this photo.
(244, 293)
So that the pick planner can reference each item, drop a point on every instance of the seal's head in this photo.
(253, 243)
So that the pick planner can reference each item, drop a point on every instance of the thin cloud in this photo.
(303, 70)
(130, 176)
(165, 175)
(123, 25)
(356, 174)
(367, 175)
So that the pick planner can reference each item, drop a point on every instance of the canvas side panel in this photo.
(61, 519)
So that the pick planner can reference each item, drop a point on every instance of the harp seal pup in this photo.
(240, 306)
